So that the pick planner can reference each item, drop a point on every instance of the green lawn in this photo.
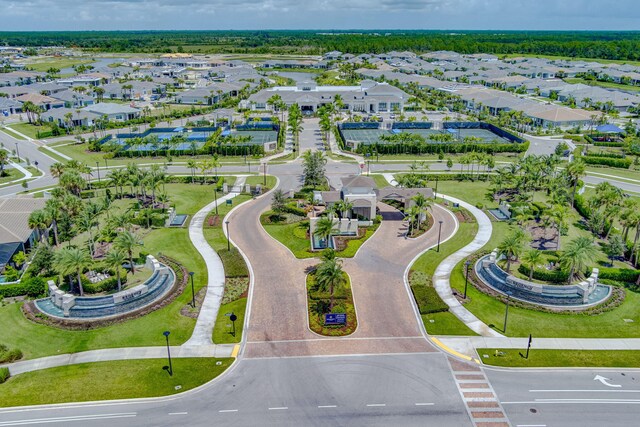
(561, 358)
(609, 85)
(123, 379)
(11, 175)
(59, 63)
(53, 155)
(222, 332)
(621, 174)
(28, 129)
(381, 181)
(13, 135)
(445, 323)
(37, 340)
(259, 179)
(473, 192)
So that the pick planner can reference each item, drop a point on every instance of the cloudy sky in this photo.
(318, 14)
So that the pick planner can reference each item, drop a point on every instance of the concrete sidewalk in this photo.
(203, 330)
(442, 275)
(468, 345)
(131, 353)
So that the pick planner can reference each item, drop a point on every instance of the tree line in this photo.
(614, 45)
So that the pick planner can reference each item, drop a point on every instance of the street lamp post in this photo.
(368, 167)
(193, 292)
(506, 313)
(435, 193)
(466, 278)
(215, 195)
(228, 237)
(170, 367)
(98, 168)
(439, 234)
(36, 164)
(17, 152)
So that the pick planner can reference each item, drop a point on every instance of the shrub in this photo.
(428, 300)
(4, 375)
(606, 161)
(553, 276)
(8, 356)
(107, 285)
(294, 210)
(34, 287)
(87, 194)
(619, 274)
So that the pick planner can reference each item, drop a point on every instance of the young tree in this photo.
(115, 259)
(127, 241)
(577, 255)
(532, 258)
(329, 277)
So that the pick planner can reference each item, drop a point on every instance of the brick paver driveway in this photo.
(278, 324)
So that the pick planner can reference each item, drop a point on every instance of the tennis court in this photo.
(259, 137)
(372, 136)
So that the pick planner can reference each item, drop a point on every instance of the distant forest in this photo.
(583, 44)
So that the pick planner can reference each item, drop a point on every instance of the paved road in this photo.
(406, 390)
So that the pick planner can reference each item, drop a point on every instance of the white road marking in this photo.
(68, 419)
(585, 391)
(531, 425)
(327, 406)
(281, 408)
(376, 404)
(178, 413)
(576, 401)
(425, 404)
(228, 410)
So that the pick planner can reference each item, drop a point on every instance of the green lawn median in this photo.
(123, 379)
(560, 358)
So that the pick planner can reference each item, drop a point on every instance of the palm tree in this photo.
(127, 241)
(86, 222)
(40, 221)
(73, 259)
(329, 276)
(422, 203)
(324, 229)
(577, 255)
(192, 164)
(413, 216)
(115, 259)
(575, 170)
(532, 258)
(511, 247)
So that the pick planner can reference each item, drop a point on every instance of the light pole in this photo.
(105, 163)
(36, 164)
(228, 236)
(435, 193)
(17, 152)
(170, 367)
(215, 195)
(466, 278)
(439, 234)
(368, 167)
(193, 292)
(506, 312)
(264, 174)
(98, 168)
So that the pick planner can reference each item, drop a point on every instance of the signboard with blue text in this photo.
(335, 319)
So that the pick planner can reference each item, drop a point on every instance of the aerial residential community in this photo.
(320, 227)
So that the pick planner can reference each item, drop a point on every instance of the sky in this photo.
(16, 15)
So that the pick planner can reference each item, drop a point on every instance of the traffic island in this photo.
(331, 308)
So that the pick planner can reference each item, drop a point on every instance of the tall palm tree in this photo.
(39, 220)
(511, 247)
(575, 171)
(115, 259)
(423, 204)
(577, 255)
(86, 222)
(532, 258)
(192, 164)
(324, 229)
(329, 276)
(127, 241)
(73, 260)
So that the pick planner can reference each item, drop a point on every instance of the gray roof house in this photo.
(114, 112)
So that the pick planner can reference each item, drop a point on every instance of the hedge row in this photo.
(606, 154)
(107, 285)
(434, 148)
(608, 144)
(33, 287)
(619, 274)
(556, 276)
(428, 299)
(606, 161)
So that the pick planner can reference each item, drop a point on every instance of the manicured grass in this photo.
(294, 237)
(28, 129)
(11, 175)
(381, 181)
(222, 332)
(13, 134)
(561, 358)
(473, 192)
(53, 155)
(259, 180)
(343, 303)
(610, 85)
(36, 340)
(445, 323)
(123, 379)
(621, 174)
(57, 63)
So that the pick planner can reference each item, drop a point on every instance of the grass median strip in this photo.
(539, 358)
(123, 379)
